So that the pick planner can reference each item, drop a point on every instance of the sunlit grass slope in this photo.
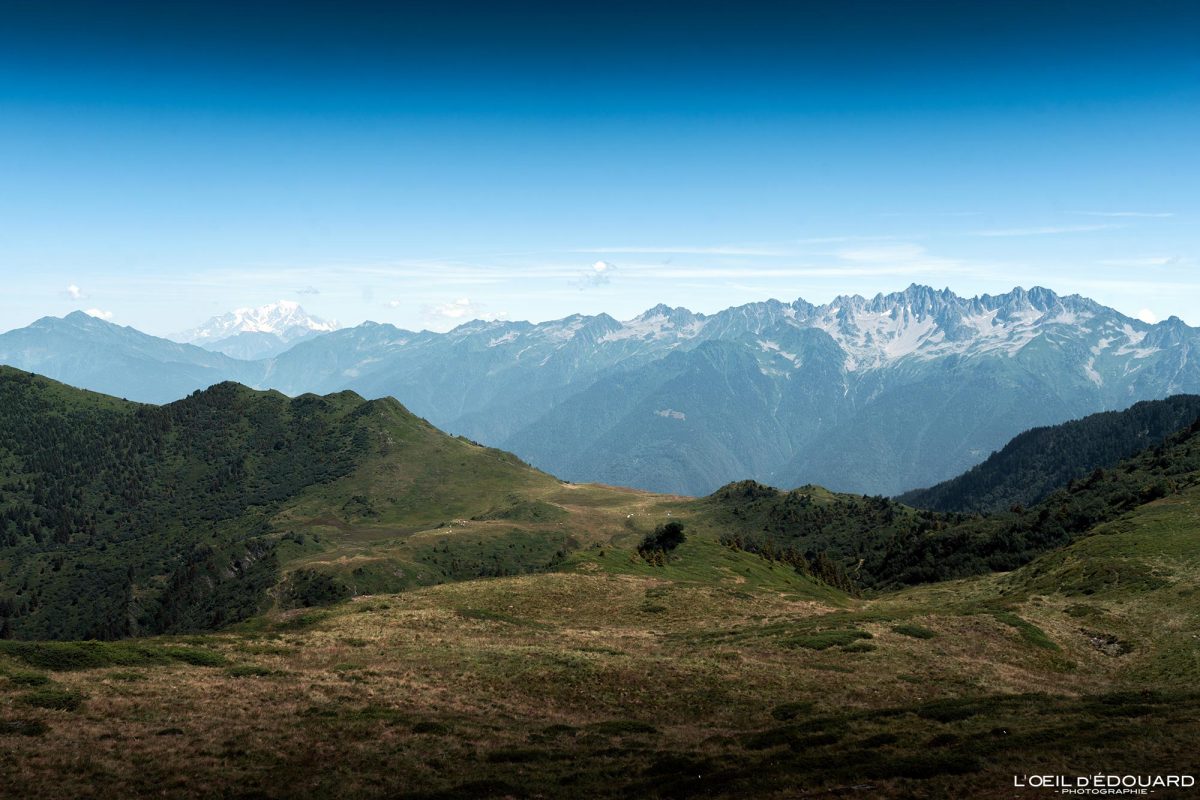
(719, 674)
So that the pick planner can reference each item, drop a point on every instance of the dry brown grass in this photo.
(507, 681)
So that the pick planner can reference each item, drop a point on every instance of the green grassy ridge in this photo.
(702, 561)
(170, 518)
(881, 544)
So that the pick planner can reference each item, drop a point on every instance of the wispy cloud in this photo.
(719, 250)
(1147, 261)
(912, 269)
(95, 312)
(74, 292)
(1147, 214)
(898, 252)
(931, 214)
(1046, 230)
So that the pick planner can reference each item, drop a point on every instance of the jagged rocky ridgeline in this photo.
(876, 395)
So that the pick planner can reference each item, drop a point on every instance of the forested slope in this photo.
(1037, 462)
(120, 519)
(877, 543)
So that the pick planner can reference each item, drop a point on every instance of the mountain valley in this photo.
(875, 396)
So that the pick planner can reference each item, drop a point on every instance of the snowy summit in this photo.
(257, 332)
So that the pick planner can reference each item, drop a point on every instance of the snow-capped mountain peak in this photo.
(284, 319)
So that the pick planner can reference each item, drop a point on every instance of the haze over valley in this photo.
(871, 395)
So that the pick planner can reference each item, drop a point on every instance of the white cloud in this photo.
(1146, 315)
(74, 292)
(457, 309)
(597, 274)
(98, 314)
(455, 312)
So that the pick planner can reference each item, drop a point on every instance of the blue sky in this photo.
(162, 163)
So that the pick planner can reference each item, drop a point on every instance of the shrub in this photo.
(666, 537)
(22, 727)
(621, 727)
(53, 697)
(64, 656)
(1029, 632)
(249, 671)
(915, 631)
(24, 677)
(823, 640)
(787, 711)
(880, 740)
(306, 588)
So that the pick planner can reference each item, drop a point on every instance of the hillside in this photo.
(206, 511)
(1037, 462)
(487, 631)
(882, 544)
(181, 517)
(611, 678)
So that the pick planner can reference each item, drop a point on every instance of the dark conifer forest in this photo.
(119, 519)
(1041, 460)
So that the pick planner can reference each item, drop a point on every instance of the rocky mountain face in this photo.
(253, 333)
(873, 395)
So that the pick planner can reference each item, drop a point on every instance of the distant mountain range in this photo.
(875, 396)
(252, 333)
(90, 353)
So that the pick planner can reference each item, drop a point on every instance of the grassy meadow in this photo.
(718, 674)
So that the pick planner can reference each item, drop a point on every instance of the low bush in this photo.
(915, 631)
(53, 697)
(823, 640)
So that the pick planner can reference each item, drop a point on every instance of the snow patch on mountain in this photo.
(660, 322)
(774, 348)
(505, 339)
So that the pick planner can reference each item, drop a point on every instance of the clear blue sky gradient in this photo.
(426, 164)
